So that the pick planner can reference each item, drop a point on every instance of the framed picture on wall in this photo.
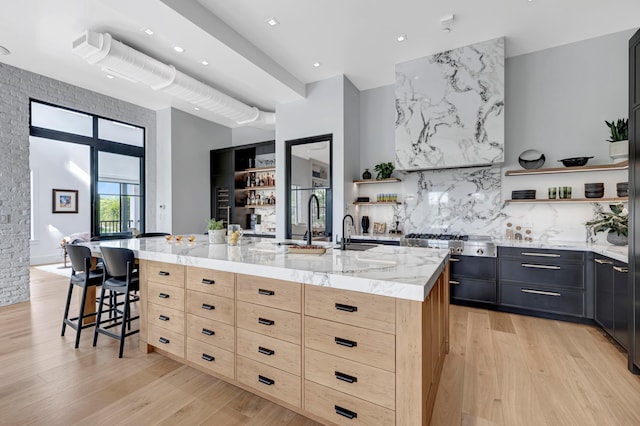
(65, 201)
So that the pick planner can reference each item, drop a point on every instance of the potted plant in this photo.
(619, 148)
(217, 232)
(616, 223)
(384, 170)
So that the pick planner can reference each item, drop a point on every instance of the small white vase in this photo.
(217, 236)
(619, 151)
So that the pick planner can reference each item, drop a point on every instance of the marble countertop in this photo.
(620, 253)
(401, 272)
(376, 237)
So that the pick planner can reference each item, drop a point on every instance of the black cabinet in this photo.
(473, 279)
(222, 184)
(612, 299)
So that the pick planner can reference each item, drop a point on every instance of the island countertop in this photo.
(400, 272)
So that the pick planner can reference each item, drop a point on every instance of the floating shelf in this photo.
(389, 180)
(257, 170)
(377, 203)
(259, 188)
(258, 206)
(573, 200)
(623, 165)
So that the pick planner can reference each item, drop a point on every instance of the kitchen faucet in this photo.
(343, 244)
(309, 227)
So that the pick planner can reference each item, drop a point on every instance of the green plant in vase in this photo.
(384, 170)
(217, 233)
(616, 224)
(619, 130)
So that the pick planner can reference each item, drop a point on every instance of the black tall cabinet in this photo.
(634, 197)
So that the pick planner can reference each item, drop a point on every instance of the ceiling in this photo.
(265, 66)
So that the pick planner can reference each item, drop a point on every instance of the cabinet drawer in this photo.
(343, 409)
(277, 383)
(269, 321)
(268, 350)
(542, 272)
(478, 267)
(166, 273)
(210, 306)
(354, 343)
(210, 281)
(211, 332)
(167, 318)
(538, 254)
(350, 307)
(559, 301)
(285, 295)
(359, 380)
(211, 357)
(166, 340)
(474, 290)
(166, 295)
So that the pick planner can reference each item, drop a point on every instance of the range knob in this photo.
(459, 250)
(480, 252)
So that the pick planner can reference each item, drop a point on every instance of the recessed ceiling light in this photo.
(178, 49)
(110, 77)
(148, 31)
(446, 30)
(4, 51)
(316, 64)
(272, 21)
(401, 37)
(196, 108)
(205, 63)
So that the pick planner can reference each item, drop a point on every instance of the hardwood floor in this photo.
(502, 369)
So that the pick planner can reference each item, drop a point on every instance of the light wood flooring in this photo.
(502, 369)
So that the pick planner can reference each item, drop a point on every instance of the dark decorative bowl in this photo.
(575, 161)
(531, 159)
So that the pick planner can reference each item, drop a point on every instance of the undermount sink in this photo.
(358, 246)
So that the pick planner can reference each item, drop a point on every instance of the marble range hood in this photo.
(450, 109)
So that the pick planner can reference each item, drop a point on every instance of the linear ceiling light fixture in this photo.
(120, 60)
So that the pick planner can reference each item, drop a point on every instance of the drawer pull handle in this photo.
(164, 318)
(208, 282)
(265, 351)
(208, 357)
(530, 265)
(543, 293)
(164, 341)
(208, 332)
(265, 321)
(620, 269)
(164, 273)
(345, 377)
(603, 262)
(163, 296)
(345, 342)
(453, 259)
(345, 413)
(454, 282)
(266, 292)
(346, 308)
(267, 381)
(540, 254)
(208, 307)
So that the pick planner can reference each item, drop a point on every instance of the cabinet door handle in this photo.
(345, 342)
(164, 341)
(621, 269)
(208, 307)
(543, 293)
(540, 254)
(267, 381)
(530, 265)
(265, 351)
(163, 296)
(345, 413)
(208, 281)
(346, 308)
(266, 292)
(603, 262)
(208, 357)
(453, 259)
(163, 273)
(265, 321)
(454, 282)
(164, 318)
(207, 332)
(345, 377)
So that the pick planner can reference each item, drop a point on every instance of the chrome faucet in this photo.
(343, 244)
(309, 227)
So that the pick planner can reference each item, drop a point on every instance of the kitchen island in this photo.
(347, 337)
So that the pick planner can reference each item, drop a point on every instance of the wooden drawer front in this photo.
(167, 318)
(350, 307)
(209, 306)
(166, 295)
(268, 350)
(166, 340)
(285, 295)
(357, 344)
(328, 403)
(166, 273)
(269, 321)
(536, 255)
(270, 380)
(211, 357)
(359, 380)
(209, 281)
(559, 301)
(474, 290)
(211, 332)
(542, 272)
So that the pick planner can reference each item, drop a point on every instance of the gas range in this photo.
(465, 245)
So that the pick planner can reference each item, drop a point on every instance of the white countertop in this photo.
(376, 237)
(401, 272)
(620, 253)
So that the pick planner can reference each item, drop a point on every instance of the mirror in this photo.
(308, 171)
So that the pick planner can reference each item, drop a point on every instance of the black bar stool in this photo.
(83, 277)
(120, 278)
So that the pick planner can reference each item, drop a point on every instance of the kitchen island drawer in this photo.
(271, 351)
(168, 318)
(211, 281)
(541, 254)
(275, 382)
(559, 301)
(211, 332)
(546, 272)
(272, 322)
(473, 290)
(211, 357)
(166, 340)
(279, 294)
(165, 273)
(210, 306)
(166, 295)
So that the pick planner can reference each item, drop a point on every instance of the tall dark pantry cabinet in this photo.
(634, 200)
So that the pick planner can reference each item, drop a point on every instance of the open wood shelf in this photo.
(376, 203)
(623, 165)
(573, 200)
(389, 180)
(257, 170)
(257, 206)
(259, 188)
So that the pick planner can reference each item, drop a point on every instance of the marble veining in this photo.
(450, 108)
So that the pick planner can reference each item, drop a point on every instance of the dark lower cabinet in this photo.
(471, 290)
(473, 279)
(621, 304)
(612, 299)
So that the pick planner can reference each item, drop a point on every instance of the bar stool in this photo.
(120, 278)
(83, 277)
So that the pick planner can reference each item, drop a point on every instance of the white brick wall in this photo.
(16, 87)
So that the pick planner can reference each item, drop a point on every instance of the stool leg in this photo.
(125, 316)
(81, 315)
(95, 330)
(66, 308)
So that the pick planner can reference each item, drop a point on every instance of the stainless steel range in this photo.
(465, 245)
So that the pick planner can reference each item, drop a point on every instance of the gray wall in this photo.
(377, 127)
(351, 159)
(16, 87)
(248, 135)
(191, 140)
